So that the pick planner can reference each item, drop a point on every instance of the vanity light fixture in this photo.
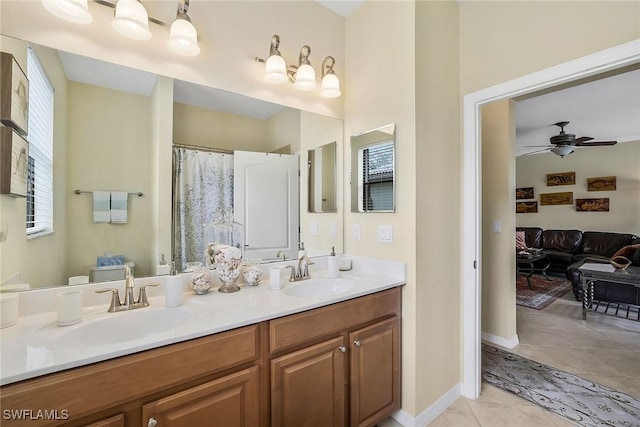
(303, 76)
(131, 20)
(183, 38)
(70, 10)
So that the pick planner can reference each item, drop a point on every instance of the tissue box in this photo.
(275, 278)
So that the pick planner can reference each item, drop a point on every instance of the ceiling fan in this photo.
(564, 143)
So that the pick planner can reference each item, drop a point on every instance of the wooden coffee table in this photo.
(532, 263)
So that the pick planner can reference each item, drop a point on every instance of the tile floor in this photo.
(603, 349)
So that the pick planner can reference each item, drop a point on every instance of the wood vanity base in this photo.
(336, 365)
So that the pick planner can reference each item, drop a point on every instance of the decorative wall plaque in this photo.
(592, 205)
(548, 199)
(602, 183)
(524, 193)
(561, 178)
(526, 207)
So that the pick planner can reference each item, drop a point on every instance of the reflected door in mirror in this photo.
(322, 178)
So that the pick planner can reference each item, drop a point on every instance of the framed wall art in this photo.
(592, 205)
(602, 183)
(14, 94)
(561, 178)
(14, 163)
(523, 193)
(549, 199)
(526, 207)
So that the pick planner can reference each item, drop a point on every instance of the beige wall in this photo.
(502, 40)
(498, 201)
(217, 129)
(283, 132)
(437, 193)
(379, 89)
(19, 252)
(621, 160)
(110, 129)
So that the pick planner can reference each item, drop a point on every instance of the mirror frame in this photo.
(382, 134)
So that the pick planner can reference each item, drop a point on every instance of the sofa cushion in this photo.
(562, 241)
(603, 243)
(521, 242)
(532, 236)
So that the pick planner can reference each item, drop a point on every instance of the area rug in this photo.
(544, 292)
(576, 399)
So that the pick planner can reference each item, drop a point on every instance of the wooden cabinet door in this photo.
(375, 372)
(307, 386)
(226, 402)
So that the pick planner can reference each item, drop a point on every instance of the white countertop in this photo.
(37, 346)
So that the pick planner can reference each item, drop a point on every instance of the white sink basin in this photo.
(319, 287)
(114, 328)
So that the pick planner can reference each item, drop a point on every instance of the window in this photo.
(40, 173)
(377, 177)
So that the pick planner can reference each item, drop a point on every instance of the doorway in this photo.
(604, 61)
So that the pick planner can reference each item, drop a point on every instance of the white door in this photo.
(265, 200)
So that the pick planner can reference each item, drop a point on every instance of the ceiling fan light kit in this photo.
(564, 143)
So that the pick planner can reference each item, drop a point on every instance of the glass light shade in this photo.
(183, 38)
(275, 70)
(305, 78)
(131, 20)
(330, 86)
(70, 10)
(562, 150)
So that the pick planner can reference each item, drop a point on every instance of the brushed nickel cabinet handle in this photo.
(342, 349)
(356, 343)
(152, 422)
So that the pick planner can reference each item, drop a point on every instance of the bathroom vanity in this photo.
(329, 360)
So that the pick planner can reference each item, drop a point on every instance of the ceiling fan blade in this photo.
(595, 143)
(582, 139)
(535, 152)
(533, 146)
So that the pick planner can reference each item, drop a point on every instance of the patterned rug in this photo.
(581, 401)
(544, 292)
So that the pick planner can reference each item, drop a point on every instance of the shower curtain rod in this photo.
(212, 150)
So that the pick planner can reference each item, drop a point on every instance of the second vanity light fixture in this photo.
(303, 76)
(132, 21)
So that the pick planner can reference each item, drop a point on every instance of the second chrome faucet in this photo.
(130, 302)
(299, 273)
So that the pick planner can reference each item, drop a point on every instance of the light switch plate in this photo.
(497, 226)
(356, 231)
(333, 229)
(313, 228)
(385, 234)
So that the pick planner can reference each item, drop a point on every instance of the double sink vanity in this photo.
(318, 352)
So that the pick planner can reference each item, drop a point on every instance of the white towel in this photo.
(119, 207)
(101, 206)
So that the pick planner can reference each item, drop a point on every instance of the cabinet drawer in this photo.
(90, 389)
(230, 401)
(290, 331)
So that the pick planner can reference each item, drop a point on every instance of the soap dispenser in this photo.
(332, 265)
(173, 292)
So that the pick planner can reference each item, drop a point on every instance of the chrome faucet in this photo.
(130, 302)
(298, 274)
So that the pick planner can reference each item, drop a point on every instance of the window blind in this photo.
(377, 166)
(40, 189)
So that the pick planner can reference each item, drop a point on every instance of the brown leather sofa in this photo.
(568, 249)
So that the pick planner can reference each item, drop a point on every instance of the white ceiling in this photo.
(343, 8)
(605, 109)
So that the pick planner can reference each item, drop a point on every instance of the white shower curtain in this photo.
(202, 183)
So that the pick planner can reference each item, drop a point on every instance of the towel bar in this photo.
(139, 194)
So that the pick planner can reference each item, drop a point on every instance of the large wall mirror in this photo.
(104, 139)
(322, 178)
(373, 170)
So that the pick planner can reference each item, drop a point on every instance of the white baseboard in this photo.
(429, 414)
(502, 342)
